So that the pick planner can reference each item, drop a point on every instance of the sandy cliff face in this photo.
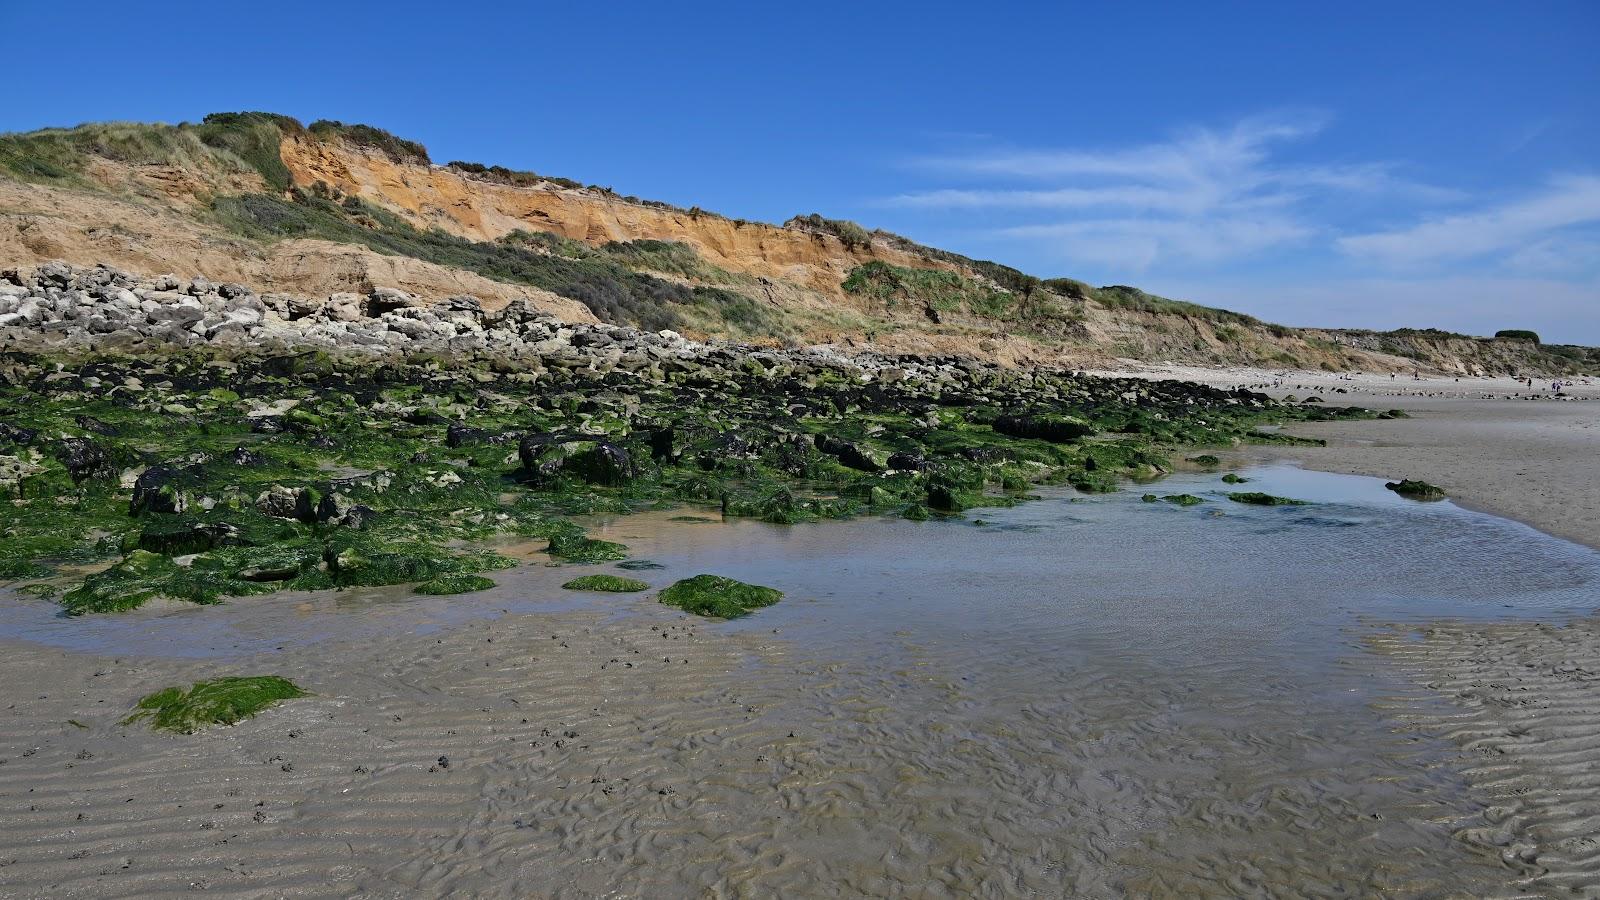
(39, 224)
(482, 210)
(169, 212)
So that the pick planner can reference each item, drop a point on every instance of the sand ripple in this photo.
(1522, 701)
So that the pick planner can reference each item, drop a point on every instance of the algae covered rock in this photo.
(848, 454)
(1416, 490)
(455, 584)
(1092, 482)
(1231, 478)
(135, 579)
(1183, 499)
(219, 701)
(1206, 459)
(715, 595)
(547, 456)
(159, 489)
(364, 561)
(570, 543)
(607, 583)
(1256, 498)
(1057, 429)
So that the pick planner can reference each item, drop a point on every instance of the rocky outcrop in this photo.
(70, 308)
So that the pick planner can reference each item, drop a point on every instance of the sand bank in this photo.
(1492, 443)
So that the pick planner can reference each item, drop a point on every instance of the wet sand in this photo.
(1534, 461)
(1525, 710)
(1524, 697)
(1493, 443)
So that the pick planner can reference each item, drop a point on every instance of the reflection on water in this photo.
(1087, 694)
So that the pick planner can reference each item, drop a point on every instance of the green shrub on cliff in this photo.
(612, 291)
(934, 289)
(396, 148)
(849, 233)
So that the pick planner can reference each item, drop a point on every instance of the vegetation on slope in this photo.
(396, 148)
(599, 278)
(225, 144)
(938, 292)
(849, 233)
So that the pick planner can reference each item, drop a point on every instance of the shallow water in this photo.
(1081, 695)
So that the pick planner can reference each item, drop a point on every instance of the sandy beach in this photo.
(1492, 443)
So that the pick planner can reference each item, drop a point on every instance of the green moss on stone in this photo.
(714, 595)
(572, 544)
(1256, 498)
(1416, 490)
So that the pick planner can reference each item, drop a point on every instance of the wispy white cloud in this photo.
(1137, 244)
(1206, 195)
(1246, 216)
(1522, 230)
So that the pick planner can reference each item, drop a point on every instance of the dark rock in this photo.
(1416, 490)
(847, 454)
(84, 459)
(17, 435)
(90, 423)
(544, 456)
(458, 435)
(337, 509)
(159, 489)
(601, 462)
(908, 462)
(1054, 428)
(178, 538)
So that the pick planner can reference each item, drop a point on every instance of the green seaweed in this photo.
(363, 562)
(717, 596)
(454, 584)
(219, 701)
(1256, 498)
(607, 583)
(570, 543)
(1416, 490)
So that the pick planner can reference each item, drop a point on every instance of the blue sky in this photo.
(1354, 164)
